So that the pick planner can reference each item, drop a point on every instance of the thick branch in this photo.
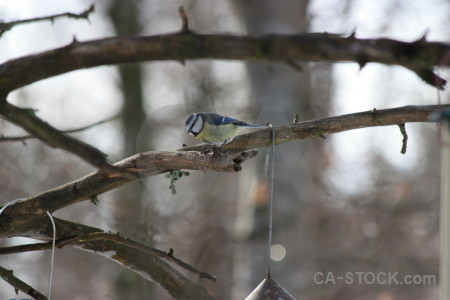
(18, 218)
(419, 56)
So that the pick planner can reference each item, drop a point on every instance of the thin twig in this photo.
(5, 26)
(8, 276)
(25, 248)
(405, 138)
(184, 20)
(75, 130)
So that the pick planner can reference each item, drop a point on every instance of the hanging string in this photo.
(53, 242)
(270, 153)
(53, 256)
(10, 203)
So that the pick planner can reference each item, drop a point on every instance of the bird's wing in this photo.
(220, 120)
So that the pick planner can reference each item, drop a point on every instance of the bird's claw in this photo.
(214, 150)
(208, 150)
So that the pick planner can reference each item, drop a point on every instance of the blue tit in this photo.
(214, 128)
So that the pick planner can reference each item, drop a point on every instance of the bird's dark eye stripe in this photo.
(193, 122)
(196, 119)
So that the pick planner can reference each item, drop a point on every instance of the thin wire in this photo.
(271, 178)
(53, 256)
(266, 161)
(53, 242)
(10, 203)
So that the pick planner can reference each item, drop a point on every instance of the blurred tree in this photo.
(278, 92)
(129, 207)
(217, 222)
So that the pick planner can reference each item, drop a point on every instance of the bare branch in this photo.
(17, 219)
(419, 56)
(405, 138)
(184, 20)
(325, 126)
(97, 236)
(143, 260)
(75, 130)
(26, 119)
(5, 26)
(82, 240)
(147, 164)
(27, 217)
(8, 276)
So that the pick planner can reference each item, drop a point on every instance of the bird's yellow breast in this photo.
(217, 133)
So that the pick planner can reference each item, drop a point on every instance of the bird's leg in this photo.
(220, 148)
(216, 149)
(223, 144)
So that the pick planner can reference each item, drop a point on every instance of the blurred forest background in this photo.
(348, 203)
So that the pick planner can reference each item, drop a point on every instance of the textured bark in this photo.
(28, 217)
(18, 219)
(419, 56)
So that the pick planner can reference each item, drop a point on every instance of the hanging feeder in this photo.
(270, 289)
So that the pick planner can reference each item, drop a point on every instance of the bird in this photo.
(216, 129)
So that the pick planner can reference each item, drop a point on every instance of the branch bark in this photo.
(5, 26)
(83, 239)
(18, 218)
(419, 56)
(28, 217)
(26, 119)
(23, 138)
(325, 126)
(148, 262)
(18, 284)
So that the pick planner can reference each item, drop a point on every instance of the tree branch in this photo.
(5, 26)
(28, 217)
(325, 126)
(419, 56)
(405, 138)
(18, 218)
(75, 130)
(26, 119)
(81, 240)
(8, 276)
(146, 261)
